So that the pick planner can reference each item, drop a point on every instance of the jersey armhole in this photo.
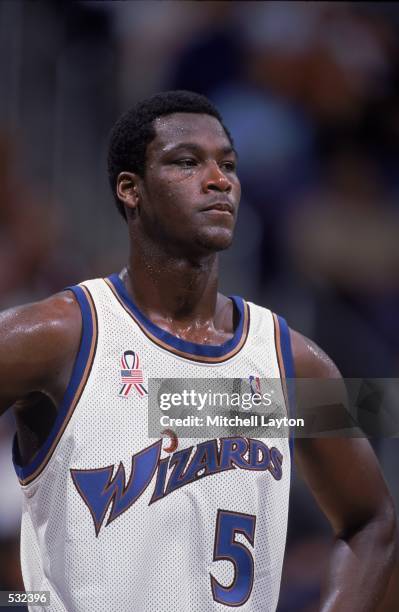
(80, 373)
(285, 361)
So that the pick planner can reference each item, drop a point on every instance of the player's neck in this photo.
(167, 287)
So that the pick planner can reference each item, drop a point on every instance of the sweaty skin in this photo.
(180, 215)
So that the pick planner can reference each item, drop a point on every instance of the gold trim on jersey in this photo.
(280, 360)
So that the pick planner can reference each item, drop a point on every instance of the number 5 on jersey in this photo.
(228, 524)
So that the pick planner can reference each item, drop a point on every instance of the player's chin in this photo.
(215, 238)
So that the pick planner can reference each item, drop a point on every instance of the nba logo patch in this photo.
(131, 375)
(254, 383)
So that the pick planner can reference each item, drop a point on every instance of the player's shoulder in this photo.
(38, 346)
(310, 361)
(49, 323)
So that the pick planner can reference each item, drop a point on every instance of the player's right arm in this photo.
(38, 346)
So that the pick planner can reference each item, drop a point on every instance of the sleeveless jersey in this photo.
(116, 520)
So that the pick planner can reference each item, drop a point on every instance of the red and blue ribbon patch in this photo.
(131, 375)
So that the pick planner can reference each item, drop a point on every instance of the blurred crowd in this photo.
(310, 93)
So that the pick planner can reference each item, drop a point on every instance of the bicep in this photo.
(342, 473)
(19, 344)
(36, 343)
(345, 479)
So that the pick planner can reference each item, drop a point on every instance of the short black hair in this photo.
(134, 130)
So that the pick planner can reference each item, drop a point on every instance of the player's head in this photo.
(170, 158)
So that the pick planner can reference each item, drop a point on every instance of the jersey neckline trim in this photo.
(184, 348)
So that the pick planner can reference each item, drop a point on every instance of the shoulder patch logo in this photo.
(131, 375)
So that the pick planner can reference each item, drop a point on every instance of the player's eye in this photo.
(230, 166)
(187, 162)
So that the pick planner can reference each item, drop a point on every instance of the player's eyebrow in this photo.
(191, 146)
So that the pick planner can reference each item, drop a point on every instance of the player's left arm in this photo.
(345, 479)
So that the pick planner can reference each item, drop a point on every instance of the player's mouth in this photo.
(223, 207)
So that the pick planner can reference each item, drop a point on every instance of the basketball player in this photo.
(113, 520)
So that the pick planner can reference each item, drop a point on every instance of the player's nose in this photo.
(215, 180)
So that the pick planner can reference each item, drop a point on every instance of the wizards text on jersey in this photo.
(99, 489)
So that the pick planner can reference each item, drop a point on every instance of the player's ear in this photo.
(127, 189)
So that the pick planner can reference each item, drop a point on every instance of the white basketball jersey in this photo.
(116, 520)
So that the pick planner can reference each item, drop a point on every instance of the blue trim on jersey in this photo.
(77, 373)
(192, 348)
(288, 360)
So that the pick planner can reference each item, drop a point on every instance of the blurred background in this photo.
(310, 93)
